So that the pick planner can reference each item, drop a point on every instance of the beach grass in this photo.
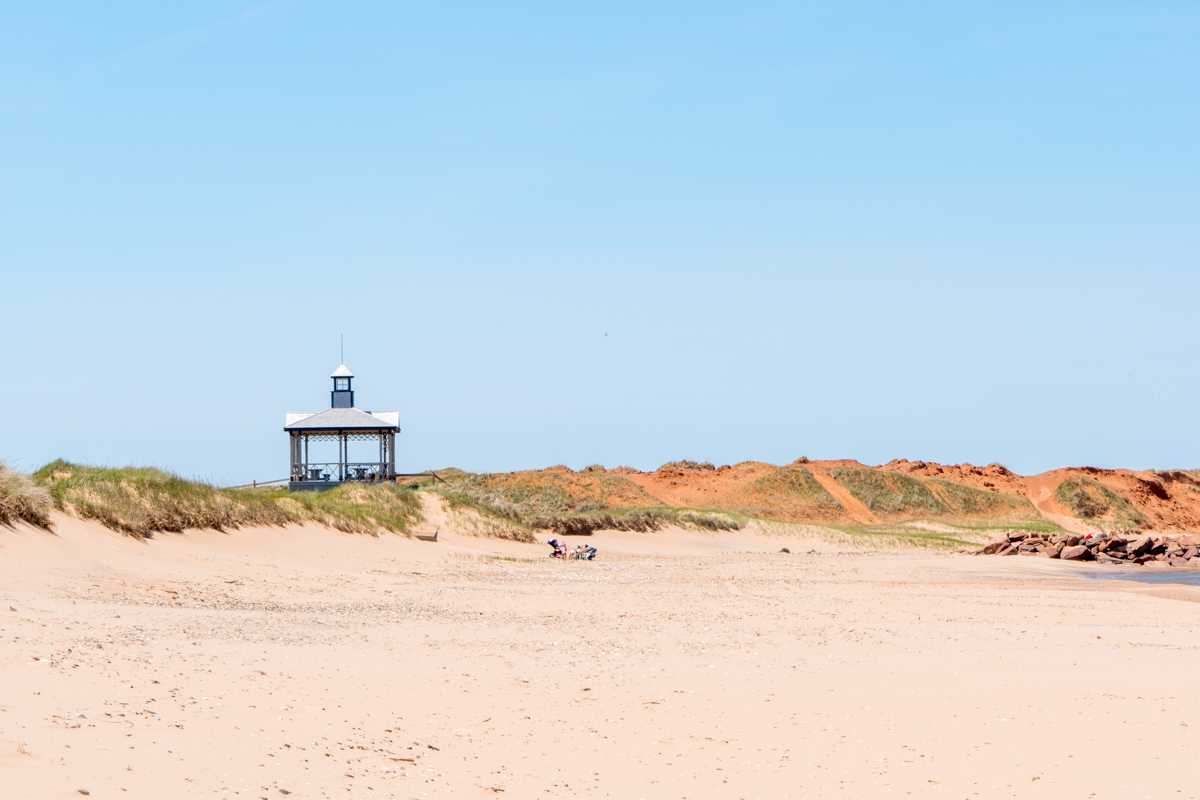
(569, 503)
(791, 492)
(895, 495)
(353, 507)
(888, 493)
(967, 501)
(642, 520)
(520, 496)
(686, 464)
(938, 534)
(139, 501)
(871, 538)
(1095, 502)
(905, 540)
(22, 500)
(1030, 525)
(550, 508)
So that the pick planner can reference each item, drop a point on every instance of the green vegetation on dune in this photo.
(354, 508)
(517, 495)
(790, 493)
(968, 501)
(1093, 501)
(22, 500)
(894, 495)
(794, 482)
(138, 501)
(639, 519)
(941, 535)
(907, 540)
(888, 494)
(926, 512)
(670, 465)
(569, 502)
(1038, 525)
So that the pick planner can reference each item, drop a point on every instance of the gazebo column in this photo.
(295, 440)
(391, 455)
(344, 455)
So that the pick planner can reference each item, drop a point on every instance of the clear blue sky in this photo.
(607, 232)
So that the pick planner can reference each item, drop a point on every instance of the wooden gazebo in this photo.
(342, 423)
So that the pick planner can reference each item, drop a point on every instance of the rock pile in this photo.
(1129, 547)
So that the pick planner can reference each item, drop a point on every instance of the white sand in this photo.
(676, 666)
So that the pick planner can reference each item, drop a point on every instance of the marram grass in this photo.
(22, 500)
(138, 501)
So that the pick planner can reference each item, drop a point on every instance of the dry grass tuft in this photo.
(674, 465)
(22, 500)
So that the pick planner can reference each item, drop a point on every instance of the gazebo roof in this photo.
(344, 419)
(342, 372)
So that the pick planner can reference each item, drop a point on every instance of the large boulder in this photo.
(1076, 553)
(1140, 546)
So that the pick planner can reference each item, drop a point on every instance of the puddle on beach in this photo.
(1174, 576)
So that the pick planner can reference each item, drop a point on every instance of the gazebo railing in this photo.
(331, 471)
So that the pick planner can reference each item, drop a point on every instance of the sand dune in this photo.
(849, 494)
(680, 665)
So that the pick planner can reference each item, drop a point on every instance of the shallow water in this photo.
(1189, 577)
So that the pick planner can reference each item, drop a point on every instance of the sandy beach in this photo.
(301, 661)
(853, 337)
